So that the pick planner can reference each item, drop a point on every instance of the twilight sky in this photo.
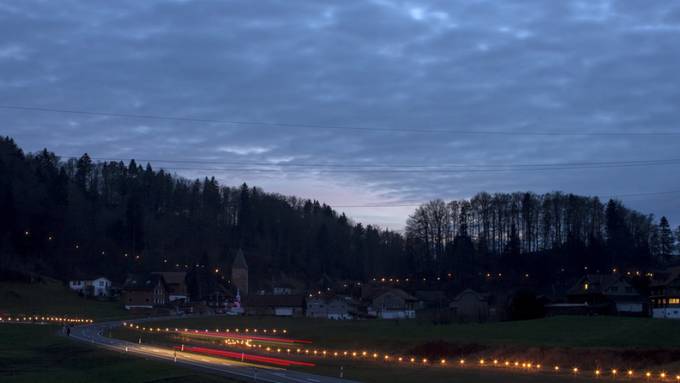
(358, 103)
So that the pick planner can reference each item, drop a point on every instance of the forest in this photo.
(73, 216)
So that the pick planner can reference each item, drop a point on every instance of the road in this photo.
(235, 369)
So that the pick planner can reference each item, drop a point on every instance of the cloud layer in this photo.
(505, 66)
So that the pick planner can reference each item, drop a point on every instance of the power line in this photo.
(264, 167)
(331, 127)
(396, 171)
(414, 204)
(383, 166)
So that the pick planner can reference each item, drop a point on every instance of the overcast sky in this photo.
(372, 90)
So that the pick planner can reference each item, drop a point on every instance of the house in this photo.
(97, 287)
(278, 305)
(218, 297)
(287, 285)
(282, 288)
(392, 304)
(331, 307)
(607, 293)
(239, 273)
(176, 283)
(665, 295)
(144, 291)
(470, 306)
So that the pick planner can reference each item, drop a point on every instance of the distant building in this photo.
(330, 307)
(239, 273)
(278, 305)
(176, 283)
(665, 295)
(470, 306)
(606, 294)
(98, 287)
(392, 304)
(144, 291)
(282, 289)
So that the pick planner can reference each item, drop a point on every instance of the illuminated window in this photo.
(674, 301)
(585, 286)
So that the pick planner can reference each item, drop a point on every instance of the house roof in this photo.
(143, 281)
(330, 297)
(173, 277)
(670, 275)
(239, 261)
(398, 292)
(274, 301)
(597, 284)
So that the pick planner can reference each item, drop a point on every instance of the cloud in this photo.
(243, 150)
(512, 66)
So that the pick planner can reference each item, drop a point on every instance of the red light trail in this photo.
(242, 336)
(245, 357)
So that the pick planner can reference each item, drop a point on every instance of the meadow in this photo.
(51, 297)
(564, 331)
(588, 343)
(34, 353)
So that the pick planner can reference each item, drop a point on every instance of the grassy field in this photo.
(586, 342)
(372, 373)
(31, 353)
(606, 332)
(53, 298)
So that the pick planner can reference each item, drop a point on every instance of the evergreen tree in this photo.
(666, 241)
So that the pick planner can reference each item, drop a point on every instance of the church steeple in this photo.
(239, 273)
(239, 261)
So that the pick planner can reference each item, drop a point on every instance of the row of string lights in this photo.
(391, 279)
(45, 319)
(493, 275)
(237, 330)
(506, 364)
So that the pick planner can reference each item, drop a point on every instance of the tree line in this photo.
(65, 217)
(76, 216)
(513, 231)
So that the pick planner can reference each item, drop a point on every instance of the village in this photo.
(650, 294)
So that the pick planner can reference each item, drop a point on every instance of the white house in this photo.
(330, 307)
(665, 295)
(98, 287)
(392, 304)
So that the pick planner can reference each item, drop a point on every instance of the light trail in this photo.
(224, 335)
(245, 357)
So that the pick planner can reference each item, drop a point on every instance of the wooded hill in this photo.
(61, 218)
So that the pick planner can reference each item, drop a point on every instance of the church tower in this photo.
(239, 273)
